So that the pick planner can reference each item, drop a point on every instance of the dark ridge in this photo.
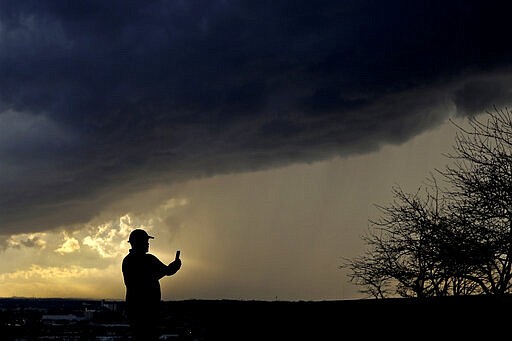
(400, 318)
(440, 318)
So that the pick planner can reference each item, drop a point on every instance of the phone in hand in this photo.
(178, 254)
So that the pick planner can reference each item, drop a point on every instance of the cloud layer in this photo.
(102, 98)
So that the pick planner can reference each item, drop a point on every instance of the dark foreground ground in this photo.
(449, 318)
(391, 319)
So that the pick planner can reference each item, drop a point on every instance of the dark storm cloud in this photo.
(99, 96)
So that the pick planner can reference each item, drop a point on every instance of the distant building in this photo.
(111, 305)
(61, 319)
(169, 337)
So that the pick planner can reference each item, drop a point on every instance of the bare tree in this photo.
(455, 241)
(481, 179)
(407, 249)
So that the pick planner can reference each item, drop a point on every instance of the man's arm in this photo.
(173, 267)
(166, 270)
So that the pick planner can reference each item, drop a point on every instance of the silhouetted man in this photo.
(142, 272)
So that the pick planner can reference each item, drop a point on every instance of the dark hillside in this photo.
(402, 319)
(449, 318)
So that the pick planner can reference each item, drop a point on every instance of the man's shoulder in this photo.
(151, 256)
(131, 257)
(140, 257)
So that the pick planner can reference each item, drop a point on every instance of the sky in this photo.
(257, 137)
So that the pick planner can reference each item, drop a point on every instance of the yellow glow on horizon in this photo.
(51, 272)
(49, 281)
(82, 261)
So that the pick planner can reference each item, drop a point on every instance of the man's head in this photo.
(139, 239)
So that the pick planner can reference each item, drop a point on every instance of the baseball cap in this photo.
(139, 235)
